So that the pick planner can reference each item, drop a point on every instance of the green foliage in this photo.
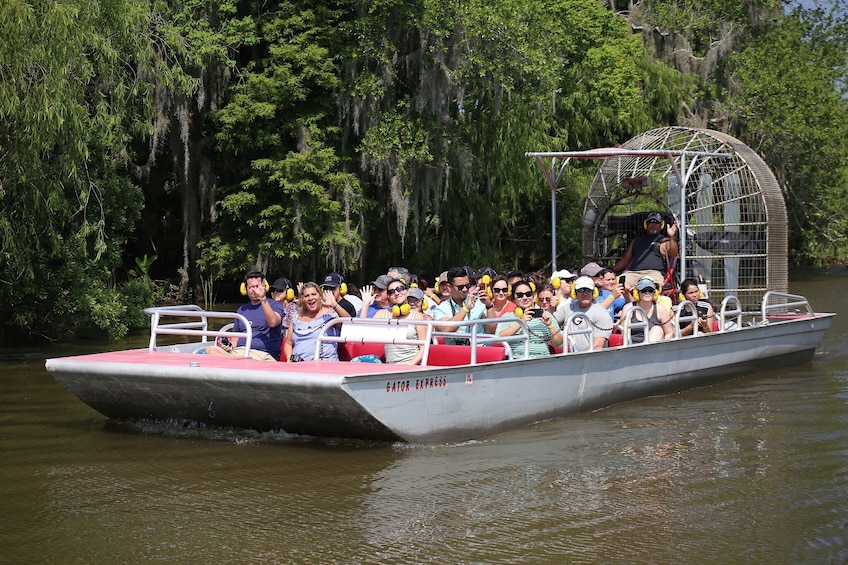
(70, 97)
(796, 117)
(292, 199)
(446, 102)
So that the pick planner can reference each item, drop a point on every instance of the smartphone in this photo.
(621, 279)
(535, 312)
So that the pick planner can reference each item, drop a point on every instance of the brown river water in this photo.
(754, 470)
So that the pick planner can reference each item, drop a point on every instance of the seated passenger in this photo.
(540, 323)
(265, 316)
(415, 299)
(303, 333)
(401, 310)
(706, 316)
(283, 292)
(374, 297)
(660, 326)
(582, 300)
(334, 284)
(463, 304)
(547, 297)
(501, 301)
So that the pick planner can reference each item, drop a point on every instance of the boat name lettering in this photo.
(397, 386)
(420, 384)
(432, 382)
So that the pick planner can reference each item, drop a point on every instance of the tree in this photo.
(71, 95)
(287, 204)
(446, 101)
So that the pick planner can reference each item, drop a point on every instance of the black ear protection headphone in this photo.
(645, 224)
(252, 275)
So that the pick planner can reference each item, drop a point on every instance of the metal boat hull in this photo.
(420, 404)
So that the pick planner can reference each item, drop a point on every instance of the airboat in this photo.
(734, 230)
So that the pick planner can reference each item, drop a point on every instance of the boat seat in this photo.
(449, 355)
(351, 350)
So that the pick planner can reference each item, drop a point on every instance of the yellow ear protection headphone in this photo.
(681, 297)
(289, 292)
(399, 310)
(343, 288)
(243, 287)
(573, 292)
(556, 283)
(654, 298)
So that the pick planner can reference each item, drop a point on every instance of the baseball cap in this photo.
(563, 275)
(646, 283)
(654, 217)
(333, 280)
(584, 282)
(443, 278)
(383, 282)
(415, 292)
(281, 284)
(591, 269)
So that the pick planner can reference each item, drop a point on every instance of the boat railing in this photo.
(630, 322)
(385, 331)
(197, 324)
(789, 304)
(690, 316)
(730, 314)
(574, 326)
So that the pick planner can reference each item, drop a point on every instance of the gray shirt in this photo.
(598, 317)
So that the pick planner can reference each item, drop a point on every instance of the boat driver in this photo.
(648, 254)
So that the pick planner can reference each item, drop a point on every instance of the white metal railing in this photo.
(379, 331)
(630, 322)
(572, 321)
(691, 316)
(730, 308)
(788, 301)
(198, 324)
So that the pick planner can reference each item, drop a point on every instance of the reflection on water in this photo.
(753, 470)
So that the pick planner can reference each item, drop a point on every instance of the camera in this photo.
(224, 342)
(535, 312)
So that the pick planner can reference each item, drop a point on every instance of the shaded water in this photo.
(753, 470)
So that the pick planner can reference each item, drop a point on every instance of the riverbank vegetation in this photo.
(350, 135)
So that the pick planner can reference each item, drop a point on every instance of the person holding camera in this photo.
(540, 323)
(582, 299)
(690, 291)
(648, 255)
(315, 311)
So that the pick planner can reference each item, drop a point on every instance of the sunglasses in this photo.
(527, 294)
(500, 290)
(461, 287)
(585, 290)
(546, 299)
(654, 222)
(395, 290)
(323, 288)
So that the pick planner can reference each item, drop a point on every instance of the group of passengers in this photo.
(287, 325)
